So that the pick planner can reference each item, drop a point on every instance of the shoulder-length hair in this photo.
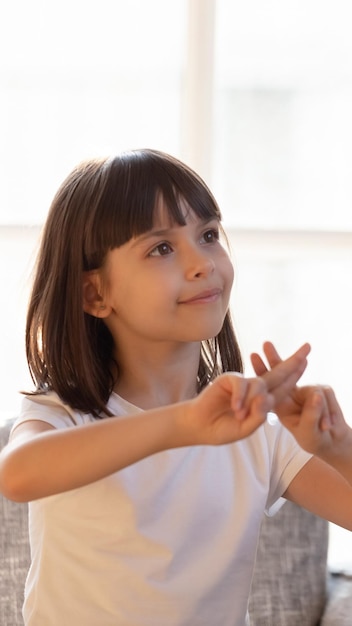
(100, 206)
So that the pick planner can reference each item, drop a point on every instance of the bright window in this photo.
(80, 80)
(283, 124)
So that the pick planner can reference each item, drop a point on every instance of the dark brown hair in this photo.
(100, 206)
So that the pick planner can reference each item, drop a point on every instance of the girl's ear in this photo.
(93, 302)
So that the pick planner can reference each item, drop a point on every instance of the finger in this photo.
(261, 405)
(274, 358)
(333, 407)
(251, 388)
(285, 374)
(236, 385)
(315, 407)
(258, 364)
(271, 353)
(257, 415)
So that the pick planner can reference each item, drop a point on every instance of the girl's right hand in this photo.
(229, 409)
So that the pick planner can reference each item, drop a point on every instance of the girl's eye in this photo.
(211, 235)
(162, 249)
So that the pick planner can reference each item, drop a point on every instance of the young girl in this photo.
(137, 515)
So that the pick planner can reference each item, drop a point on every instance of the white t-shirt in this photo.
(167, 541)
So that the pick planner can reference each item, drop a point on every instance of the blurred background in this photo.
(256, 96)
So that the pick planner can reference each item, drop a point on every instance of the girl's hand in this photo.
(233, 406)
(312, 413)
(229, 409)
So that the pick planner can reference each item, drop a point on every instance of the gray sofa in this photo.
(291, 586)
(14, 553)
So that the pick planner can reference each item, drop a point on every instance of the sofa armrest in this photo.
(289, 583)
(14, 552)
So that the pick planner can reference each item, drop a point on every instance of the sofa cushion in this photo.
(289, 583)
(14, 551)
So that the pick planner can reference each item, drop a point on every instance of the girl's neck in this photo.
(152, 380)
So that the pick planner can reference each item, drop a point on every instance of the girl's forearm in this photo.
(55, 461)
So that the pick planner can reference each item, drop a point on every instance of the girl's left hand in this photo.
(312, 413)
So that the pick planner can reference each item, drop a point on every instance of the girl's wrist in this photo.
(183, 431)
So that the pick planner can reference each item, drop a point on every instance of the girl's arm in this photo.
(314, 417)
(322, 490)
(40, 461)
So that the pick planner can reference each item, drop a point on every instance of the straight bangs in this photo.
(128, 206)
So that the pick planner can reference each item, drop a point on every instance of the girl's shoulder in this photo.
(50, 408)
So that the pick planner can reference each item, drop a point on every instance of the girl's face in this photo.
(170, 284)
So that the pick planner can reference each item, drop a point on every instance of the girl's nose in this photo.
(199, 266)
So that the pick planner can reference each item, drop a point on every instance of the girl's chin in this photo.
(208, 336)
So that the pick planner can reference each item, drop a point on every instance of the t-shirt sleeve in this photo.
(287, 459)
(48, 408)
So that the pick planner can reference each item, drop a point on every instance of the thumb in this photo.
(316, 411)
(256, 416)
